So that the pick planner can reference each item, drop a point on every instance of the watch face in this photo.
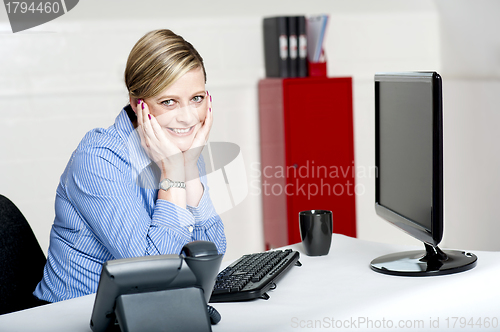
(166, 184)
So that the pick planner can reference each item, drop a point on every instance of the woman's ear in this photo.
(133, 104)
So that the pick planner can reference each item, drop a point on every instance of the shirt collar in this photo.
(139, 160)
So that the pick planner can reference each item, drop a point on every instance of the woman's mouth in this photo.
(181, 131)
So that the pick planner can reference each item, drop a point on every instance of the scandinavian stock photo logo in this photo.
(225, 172)
(24, 15)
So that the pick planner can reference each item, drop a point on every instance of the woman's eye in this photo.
(169, 102)
(198, 99)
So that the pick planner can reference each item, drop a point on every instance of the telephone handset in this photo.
(204, 260)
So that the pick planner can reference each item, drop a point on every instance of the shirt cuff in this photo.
(174, 217)
(205, 212)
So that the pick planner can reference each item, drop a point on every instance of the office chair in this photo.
(21, 260)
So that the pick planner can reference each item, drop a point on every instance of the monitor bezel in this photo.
(432, 236)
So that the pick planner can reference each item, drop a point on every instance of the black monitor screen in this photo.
(405, 164)
(408, 134)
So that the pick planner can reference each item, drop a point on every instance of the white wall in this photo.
(61, 79)
(471, 92)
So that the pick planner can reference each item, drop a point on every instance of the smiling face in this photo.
(181, 108)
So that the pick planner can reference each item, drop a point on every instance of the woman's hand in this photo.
(159, 148)
(194, 188)
(193, 153)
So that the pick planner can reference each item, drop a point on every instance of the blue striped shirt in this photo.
(106, 208)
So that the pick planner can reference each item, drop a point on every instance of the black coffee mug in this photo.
(316, 228)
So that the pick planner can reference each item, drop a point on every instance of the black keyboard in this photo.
(251, 276)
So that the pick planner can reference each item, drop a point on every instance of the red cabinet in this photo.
(307, 154)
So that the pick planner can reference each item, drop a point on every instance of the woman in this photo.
(108, 203)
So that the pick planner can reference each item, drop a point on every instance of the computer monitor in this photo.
(409, 161)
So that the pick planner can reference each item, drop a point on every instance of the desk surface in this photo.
(337, 291)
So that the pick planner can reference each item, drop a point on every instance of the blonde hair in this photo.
(157, 60)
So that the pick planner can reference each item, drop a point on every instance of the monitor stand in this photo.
(431, 262)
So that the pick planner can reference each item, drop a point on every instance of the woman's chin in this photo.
(183, 143)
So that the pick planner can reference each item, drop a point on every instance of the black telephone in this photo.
(157, 293)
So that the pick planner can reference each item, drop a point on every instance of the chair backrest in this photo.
(21, 259)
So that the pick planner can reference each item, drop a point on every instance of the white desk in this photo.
(339, 286)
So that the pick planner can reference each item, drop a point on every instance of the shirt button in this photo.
(190, 228)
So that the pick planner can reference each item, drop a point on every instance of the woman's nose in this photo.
(186, 114)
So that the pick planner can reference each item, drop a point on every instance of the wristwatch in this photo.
(166, 184)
